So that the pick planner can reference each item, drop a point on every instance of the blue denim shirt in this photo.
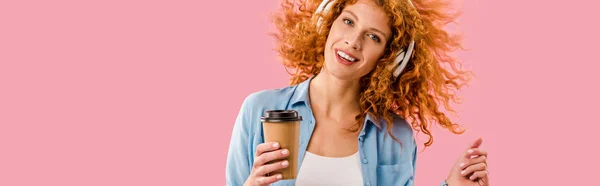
(384, 160)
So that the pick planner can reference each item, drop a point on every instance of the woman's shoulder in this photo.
(399, 128)
(257, 103)
(269, 97)
(403, 143)
(399, 125)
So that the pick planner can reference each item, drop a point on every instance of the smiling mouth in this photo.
(346, 57)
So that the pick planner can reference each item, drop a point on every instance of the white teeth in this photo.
(345, 56)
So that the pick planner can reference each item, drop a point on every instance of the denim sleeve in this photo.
(444, 183)
(414, 165)
(238, 165)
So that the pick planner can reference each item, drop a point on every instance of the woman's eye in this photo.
(348, 21)
(374, 38)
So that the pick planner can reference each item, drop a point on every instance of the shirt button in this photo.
(360, 138)
(365, 161)
(368, 184)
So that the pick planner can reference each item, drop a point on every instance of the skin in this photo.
(361, 31)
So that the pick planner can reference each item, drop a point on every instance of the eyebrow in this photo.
(372, 29)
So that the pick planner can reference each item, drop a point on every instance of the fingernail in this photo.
(279, 176)
(284, 152)
(285, 163)
(463, 172)
(462, 165)
(275, 145)
(471, 178)
(470, 151)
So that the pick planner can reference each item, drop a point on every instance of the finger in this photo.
(268, 180)
(268, 168)
(484, 181)
(473, 168)
(468, 162)
(478, 175)
(266, 147)
(476, 143)
(270, 156)
(475, 152)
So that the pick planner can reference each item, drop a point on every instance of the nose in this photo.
(354, 40)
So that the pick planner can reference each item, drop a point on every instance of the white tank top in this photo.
(319, 170)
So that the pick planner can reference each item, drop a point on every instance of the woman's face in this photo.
(357, 40)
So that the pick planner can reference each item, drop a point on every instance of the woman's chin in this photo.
(342, 74)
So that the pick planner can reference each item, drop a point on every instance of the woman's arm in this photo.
(238, 161)
(414, 163)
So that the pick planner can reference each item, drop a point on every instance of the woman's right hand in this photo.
(267, 152)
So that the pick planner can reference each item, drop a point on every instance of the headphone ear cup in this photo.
(402, 59)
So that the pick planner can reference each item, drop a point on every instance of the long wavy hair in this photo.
(432, 77)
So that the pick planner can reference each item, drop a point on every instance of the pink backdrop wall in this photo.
(146, 92)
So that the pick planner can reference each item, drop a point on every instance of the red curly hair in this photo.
(431, 78)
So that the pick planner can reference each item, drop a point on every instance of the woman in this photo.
(363, 70)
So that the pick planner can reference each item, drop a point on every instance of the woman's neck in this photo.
(334, 97)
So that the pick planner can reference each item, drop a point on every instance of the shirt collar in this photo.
(301, 95)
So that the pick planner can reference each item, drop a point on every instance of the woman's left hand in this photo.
(471, 167)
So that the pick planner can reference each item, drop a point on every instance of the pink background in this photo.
(146, 92)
